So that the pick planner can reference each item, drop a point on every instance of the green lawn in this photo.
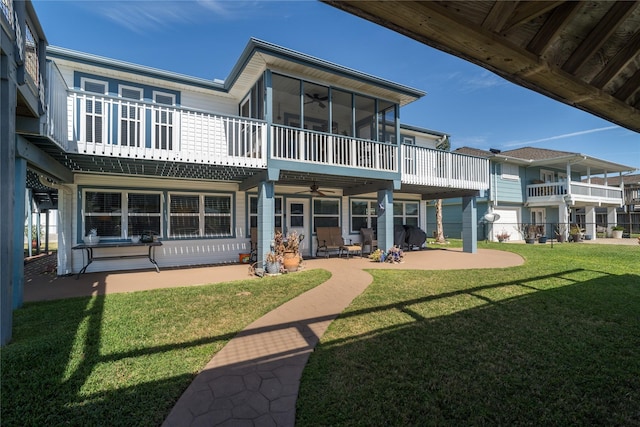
(125, 359)
(553, 342)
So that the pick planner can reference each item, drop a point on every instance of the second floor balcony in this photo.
(574, 193)
(82, 123)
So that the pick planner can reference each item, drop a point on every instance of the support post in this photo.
(469, 225)
(8, 103)
(385, 219)
(612, 220)
(590, 221)
(266, 214)
(18, 232)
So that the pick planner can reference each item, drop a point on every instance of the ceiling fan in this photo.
(316, 98)
(314, 190)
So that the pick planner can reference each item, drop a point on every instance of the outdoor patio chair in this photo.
(253, 255)
(368, 239)
(330, 239)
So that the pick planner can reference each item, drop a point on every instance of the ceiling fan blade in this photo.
(310, 96)
(321, 104)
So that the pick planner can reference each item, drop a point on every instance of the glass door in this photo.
(298, 220)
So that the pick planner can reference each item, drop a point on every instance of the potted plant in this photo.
(616, 231)
(286, 250)
(576, 233)
(273, 262)
(37, 234)
(561, 232)
(529, 233)
(503, 236)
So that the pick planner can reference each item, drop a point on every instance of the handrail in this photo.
(303, 145)
(113, 126)
(427, 166)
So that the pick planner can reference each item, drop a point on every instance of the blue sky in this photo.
(205, 38)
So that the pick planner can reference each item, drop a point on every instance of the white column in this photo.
(612, 220)
(590, 219)
(64, 222)
(563, 221)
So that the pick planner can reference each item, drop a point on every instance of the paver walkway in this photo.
(254, 379)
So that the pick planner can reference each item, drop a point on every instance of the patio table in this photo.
(89, 249)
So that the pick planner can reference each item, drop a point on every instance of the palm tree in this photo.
(443, 144)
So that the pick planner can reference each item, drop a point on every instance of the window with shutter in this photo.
(130, 116)
(163, 120)
(94, 111)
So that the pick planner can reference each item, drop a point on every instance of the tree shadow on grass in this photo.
(39, 371)
(568, 355)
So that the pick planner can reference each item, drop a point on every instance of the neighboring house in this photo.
(286, 141)
(541, 188)
(629, 214)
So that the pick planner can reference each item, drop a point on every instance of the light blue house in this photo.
(285, 141)
(541, 192)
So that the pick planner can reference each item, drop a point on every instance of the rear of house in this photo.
(286, 142)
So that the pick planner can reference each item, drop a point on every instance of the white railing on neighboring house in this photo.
(594, 191)
(577, 191)
(425, 166)
(302, 145)
(117, 127)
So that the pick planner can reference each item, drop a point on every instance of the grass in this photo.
(552, 342)
(125, 359)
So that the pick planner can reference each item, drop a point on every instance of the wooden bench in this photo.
(329, 239)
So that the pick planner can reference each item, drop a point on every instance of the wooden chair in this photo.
(253, 255)
(329, 239)
(368, 239)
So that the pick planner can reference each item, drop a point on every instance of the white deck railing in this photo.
(301, 145)
(424, 166)
(578, 191)
(116, 127)
(110, 126)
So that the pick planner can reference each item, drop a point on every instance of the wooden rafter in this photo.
(498, 16)
(527, 11)
(628, 53)
(552, 27)
(598, 36)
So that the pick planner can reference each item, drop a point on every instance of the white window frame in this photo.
(409, 161)
(276, 214)
(201, 214)
(404, 214)
(507, 171)
(124, 209)
(371, 212)
(547, 176)
(324, 215)
(92, 99)
(161, 125)
(137, 122)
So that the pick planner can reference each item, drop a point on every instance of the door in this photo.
(299, 220)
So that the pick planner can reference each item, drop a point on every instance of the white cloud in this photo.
(482, 81)
(563, 136)
(142, 16)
